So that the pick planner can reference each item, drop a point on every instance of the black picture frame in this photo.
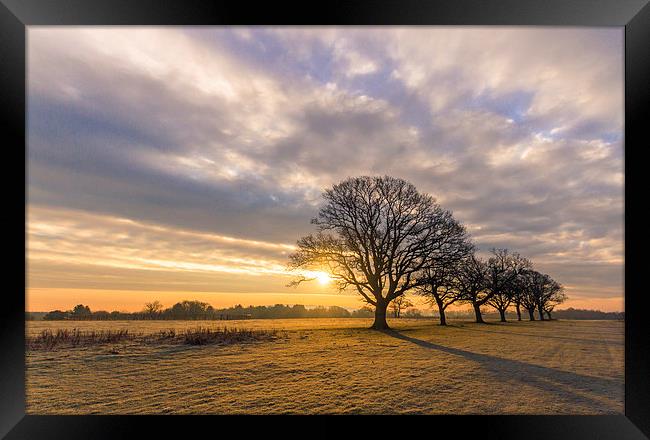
(634, 15)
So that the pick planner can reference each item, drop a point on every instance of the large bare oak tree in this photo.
(471, 281)
(374, 235)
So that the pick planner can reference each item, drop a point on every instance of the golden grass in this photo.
(338, 366)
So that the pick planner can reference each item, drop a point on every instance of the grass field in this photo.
(338, 366)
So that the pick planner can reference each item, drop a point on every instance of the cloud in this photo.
(235, 132)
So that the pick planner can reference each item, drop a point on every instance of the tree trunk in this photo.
(441, 309)
(477, 312)
(541, 313)
(380, 317)
(549, 315)
(443, 318)
(503, 315)
(518, 312)
(531, 314)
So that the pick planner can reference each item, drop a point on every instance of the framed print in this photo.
(413, 208)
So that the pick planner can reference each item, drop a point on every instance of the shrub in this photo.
(48, 339)
(226, 336)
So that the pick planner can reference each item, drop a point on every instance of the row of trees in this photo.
(381, 238)
(502, 281)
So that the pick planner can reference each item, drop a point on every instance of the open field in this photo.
(338, 366)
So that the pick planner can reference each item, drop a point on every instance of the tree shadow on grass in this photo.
(563, 384)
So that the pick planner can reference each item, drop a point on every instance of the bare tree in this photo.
(531, 282)
(471, 281)
(374, 235)
(540, 290)
(548, 309)
(551, 296)
(503, 269)
(439, 287)
(518, 287)
(153, 308)
(399, 304)
(501, 301)
(438, 279)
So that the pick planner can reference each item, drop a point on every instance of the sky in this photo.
(177, 163)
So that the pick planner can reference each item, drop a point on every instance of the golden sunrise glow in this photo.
(323, 278)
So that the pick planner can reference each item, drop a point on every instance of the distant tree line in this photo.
(364, 312)
(572, 313)
(197, 310)
(381, 238)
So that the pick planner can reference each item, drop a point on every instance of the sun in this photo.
(323, 278)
